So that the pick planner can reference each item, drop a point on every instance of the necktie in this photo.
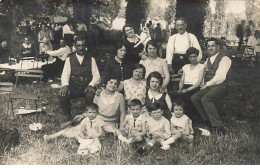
(134, 122)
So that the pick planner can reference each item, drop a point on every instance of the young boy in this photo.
(133, 127)
(181, 125)
(157, 127)
(87, 132)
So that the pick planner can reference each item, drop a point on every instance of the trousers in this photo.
(204, 101)
(74, 93)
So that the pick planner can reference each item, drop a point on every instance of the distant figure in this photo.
(81, 29)
(157, 33)
(44, 38)
(55, 69)
(68, 33)
(250, 29)
(5, 53)
(144, 37)
(27, 49)
(240, 33)
(254, 41)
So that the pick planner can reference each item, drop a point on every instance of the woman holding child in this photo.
(111, 105)
(133, 54)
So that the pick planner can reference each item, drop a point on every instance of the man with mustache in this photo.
(217, 66)
(177, 46)
(79, 77)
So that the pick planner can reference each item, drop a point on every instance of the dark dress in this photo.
(148, 102)
(132, 54)
(115, 70)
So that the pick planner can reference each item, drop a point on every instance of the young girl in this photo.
(87, 132)
(135, 87)
(181, 125)
(153, 95)
(191, 80)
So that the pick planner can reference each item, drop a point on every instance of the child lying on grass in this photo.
(86, 133)
(181, 125)
(133, 127)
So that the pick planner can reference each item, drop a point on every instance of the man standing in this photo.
(240, 33)
(217, 67)
(177, 46)
(79, 77)
(55, 69)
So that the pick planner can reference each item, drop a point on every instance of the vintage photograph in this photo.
(129, 82)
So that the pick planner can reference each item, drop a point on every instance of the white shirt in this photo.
(221, 73)
(62, 53)
(66, 30)
(192, 76)
(179, 43)
(65, 77)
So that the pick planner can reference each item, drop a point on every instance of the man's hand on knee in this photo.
(64, 90)
(90, 88)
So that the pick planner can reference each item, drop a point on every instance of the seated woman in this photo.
(191, 80)
(135, 87)
(153, 95)
(112, 106)
(44, 38)
(155, 63)
(133, 54)
(117, 68)
(27, 49)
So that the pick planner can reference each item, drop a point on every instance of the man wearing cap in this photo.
(79, 77)
(178, 45)
(217, 67)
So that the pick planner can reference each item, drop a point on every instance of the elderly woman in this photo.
(155, 63)
(44, 38)
(191, 80)
(133, 54)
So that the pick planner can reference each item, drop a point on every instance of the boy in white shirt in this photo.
(157, 128)
(133, 127)
(87, 132)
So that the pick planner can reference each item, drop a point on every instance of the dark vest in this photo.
(81, 75)
(212, 68)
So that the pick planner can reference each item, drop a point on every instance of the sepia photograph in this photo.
(129, 82)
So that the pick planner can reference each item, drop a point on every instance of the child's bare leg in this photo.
(172, 139)
(137, 139)
(53, 136)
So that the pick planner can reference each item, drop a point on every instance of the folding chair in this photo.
(249, 55)
(22, 58)
(28, 74)
(6, 88)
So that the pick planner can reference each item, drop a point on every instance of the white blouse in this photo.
(192, 76)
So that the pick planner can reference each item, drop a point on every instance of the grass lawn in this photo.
(240, 114)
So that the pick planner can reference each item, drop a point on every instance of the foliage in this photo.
(170, 12)
(136, 13)
(105, 11)
(194, 13)
(240, 114)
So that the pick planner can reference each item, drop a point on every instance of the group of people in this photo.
(249, 34)
(130, 99)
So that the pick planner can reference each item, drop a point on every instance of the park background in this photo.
(104, 20)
